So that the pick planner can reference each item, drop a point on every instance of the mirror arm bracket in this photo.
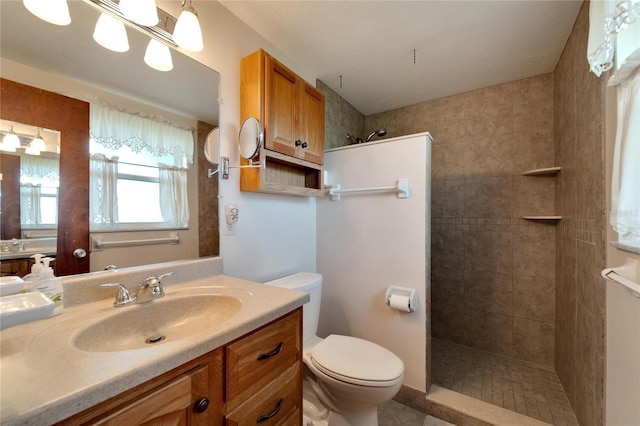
(224, 166)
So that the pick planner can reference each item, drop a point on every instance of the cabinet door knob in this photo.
(79, 253)
(201, 405)
(298, 142)
(304, 144)
(271, 414)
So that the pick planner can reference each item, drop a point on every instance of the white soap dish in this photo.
(25, 307)
(10, 285)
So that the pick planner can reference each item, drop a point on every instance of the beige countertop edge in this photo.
(18, 409)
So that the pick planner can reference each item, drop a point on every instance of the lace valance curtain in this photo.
(41, 170)
(610, 20)
(114, 129)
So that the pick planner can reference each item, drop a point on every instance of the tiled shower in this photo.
(509, 294)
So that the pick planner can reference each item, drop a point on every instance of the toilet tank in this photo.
(311, 283)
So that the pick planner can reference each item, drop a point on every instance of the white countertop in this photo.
(44, 379)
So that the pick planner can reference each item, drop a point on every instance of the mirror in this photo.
(30, 189)
(250, 138)
(212, 150)
(68, 61)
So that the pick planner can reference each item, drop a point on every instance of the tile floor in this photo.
(395, 414)
(525, 388)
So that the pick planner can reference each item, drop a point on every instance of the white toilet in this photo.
(346, 378)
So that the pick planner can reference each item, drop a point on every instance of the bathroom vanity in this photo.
(230, 354)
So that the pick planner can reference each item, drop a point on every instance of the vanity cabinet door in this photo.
(15, 267)
(275, 404)
(167, 406)
(257, 359)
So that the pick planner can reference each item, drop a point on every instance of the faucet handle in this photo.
(155, 284)
(123, 297)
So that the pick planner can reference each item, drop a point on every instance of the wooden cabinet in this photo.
(254, 379)
(20, 267)
(292, 113)
(264, 375)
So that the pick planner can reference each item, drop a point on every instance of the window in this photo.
(614, 28)
(39, 179)
(138, 172)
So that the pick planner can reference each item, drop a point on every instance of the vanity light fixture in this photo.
(188, 34)
(111, 34)
(158, 56)
(36, 146)
(142, 12)
(10, 141)
(53, 11)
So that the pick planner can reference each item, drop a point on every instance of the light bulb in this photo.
(141, 12)
(10, 142)
(53, 11)
(158, 56)
(37, 144)
(111, 34)
(187, 33)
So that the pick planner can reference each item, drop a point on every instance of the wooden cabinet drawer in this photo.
(276, 404)
(259, 358)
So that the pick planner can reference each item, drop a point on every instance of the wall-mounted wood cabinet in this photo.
(292, 113)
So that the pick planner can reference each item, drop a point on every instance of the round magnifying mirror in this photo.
(250, 139)
(212, 146)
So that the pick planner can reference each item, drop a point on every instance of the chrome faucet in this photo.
(151, 288)
(19, 244)
(123, 297)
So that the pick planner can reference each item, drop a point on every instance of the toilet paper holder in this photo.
(402, 293)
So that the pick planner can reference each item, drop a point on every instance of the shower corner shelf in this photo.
(541, 217)
(548, 171)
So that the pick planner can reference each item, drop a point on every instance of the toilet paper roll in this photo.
(399, 303)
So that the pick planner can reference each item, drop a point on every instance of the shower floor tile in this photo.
(525, 388)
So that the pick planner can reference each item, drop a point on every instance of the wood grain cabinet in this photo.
(256, 379)
(292, 113)
(20, 267)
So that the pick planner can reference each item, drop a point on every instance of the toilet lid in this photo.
(353, 358)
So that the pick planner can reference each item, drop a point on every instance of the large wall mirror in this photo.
(65, 60)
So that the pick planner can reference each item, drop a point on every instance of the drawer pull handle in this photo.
(271, 414)
(276, 351)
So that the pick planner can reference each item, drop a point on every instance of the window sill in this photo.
(624, 247)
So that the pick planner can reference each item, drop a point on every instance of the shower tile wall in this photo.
(341, 118)
(493, 274)
(580, 297)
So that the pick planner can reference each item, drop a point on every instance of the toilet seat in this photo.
(357, 361)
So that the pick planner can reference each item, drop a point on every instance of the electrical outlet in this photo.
(228, 229)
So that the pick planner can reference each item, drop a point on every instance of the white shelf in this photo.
(549, 171)
(542, 217)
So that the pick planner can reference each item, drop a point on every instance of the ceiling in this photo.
(382, 55)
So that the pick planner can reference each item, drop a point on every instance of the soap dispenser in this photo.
(32, 279)
(50, 285)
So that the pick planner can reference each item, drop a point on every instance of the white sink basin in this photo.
(154, 323)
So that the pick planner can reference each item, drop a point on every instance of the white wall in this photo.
(275, 235)
(367, 242)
